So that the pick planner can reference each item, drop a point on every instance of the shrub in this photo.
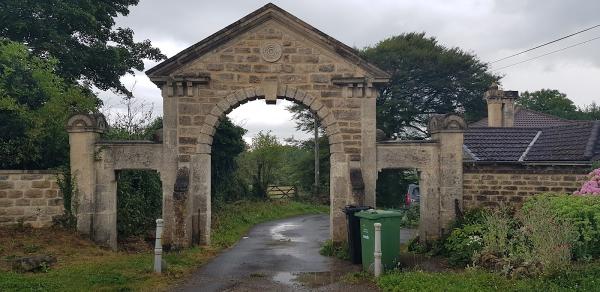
(550, 235)
(465, 239)
(66, 184)
(497, 230)
(462, 243)
(592, 186)
(583, 212)
(538, 240)
(139, 202)
(410, 216)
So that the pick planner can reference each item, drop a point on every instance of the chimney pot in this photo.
(501, 106)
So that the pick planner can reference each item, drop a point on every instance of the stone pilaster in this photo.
(448, 130)
(105, 215)
(84, 130)
(201, 190)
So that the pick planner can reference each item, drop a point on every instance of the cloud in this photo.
(491, 29)
(256, 116)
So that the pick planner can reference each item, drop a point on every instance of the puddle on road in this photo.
(315, 280)
(286, 278)
(283, 232)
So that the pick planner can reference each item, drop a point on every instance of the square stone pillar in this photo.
(168, 174)
(339, 193)
(368, 149)
(105, 215)
(84, 130)
(201, 194)
(448, 130)
(429, 209)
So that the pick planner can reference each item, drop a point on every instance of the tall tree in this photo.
(82, 35)
(35, 104)
(261, 162)
(228, 144)
(307, 121)
(550, 101)
(426, 78)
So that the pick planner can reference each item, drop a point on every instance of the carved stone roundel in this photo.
(271, 52)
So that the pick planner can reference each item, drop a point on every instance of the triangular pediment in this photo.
(266, 14)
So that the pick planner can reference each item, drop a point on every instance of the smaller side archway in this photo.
(94, 164)
(439, 161)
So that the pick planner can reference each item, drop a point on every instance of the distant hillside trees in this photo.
(554, 102)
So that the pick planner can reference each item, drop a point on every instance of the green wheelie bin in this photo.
(390, 237)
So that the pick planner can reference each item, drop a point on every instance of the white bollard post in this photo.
(377, 253)
(158, 247)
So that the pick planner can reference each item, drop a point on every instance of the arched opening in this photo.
(139, 204)
(327, 121)
(265, 151)
(400, 189)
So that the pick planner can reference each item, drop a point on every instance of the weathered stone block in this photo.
(6, 185)
(346, 114)
(44, 184)
(214, 67)
(55, 202)
(51, 193)
(31, 176)
(327, 68)
(33, 193)
(319, 78)
(14, 194)
(311, 59)
(189, 109)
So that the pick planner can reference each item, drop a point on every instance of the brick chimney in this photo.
(501, 106)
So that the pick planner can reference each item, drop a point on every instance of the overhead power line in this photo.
(545, 44)
(549, 53)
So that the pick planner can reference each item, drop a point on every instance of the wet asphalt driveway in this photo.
(279, 255)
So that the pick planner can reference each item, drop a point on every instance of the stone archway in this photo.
(270, 92)
(268, 54)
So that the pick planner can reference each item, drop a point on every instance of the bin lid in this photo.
(351, 209)
(376, 214)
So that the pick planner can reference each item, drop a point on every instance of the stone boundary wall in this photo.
(492, 185)
(32, 196)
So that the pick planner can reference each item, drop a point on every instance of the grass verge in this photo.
(82, 266)
(585, 277)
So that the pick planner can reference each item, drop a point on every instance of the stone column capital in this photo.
(447, 123)
(95, 123)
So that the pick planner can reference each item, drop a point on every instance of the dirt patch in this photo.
(60, 243)
(136, 245)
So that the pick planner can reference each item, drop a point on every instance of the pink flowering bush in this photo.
(592, 186)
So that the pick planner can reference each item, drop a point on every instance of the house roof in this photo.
(265, 13)
(526, 118)
(575, 142)
(498, 144)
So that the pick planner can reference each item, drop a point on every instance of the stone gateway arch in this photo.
(268, 55)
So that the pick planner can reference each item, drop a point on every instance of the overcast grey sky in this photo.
(491, 29)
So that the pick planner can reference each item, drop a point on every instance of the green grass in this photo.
(580, 278)
(85, 267)
(339, 250)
